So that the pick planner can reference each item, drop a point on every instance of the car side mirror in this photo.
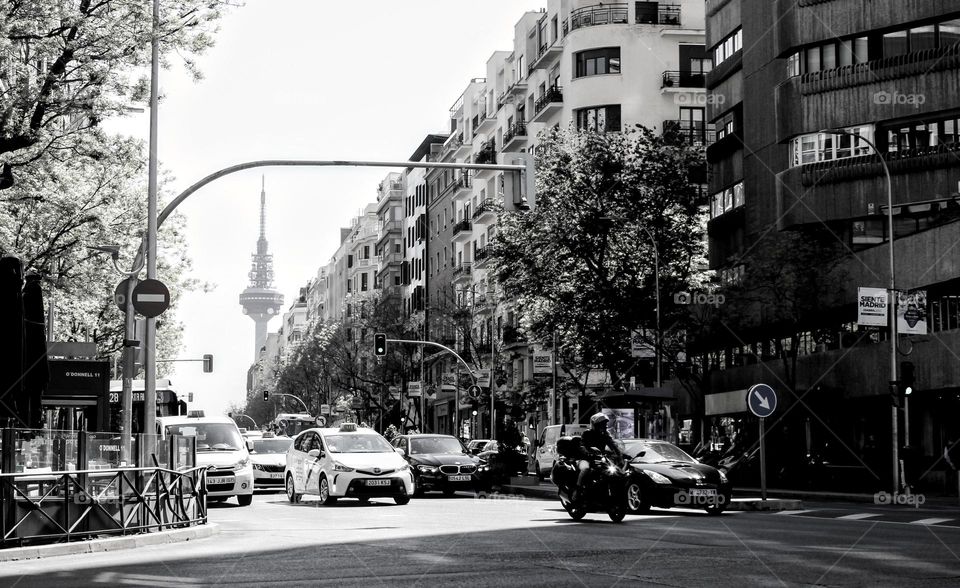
(400, 450)
(314, 453)
(249, 445)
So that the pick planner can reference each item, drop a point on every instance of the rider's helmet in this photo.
(599, 422)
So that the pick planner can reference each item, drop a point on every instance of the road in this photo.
(465, 541)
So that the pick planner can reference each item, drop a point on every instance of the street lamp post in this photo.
(149, 347)
(892, 304)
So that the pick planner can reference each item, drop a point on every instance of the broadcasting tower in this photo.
(260, 300)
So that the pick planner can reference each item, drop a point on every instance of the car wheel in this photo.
(715, 509)
(635, 498)
(401, 500)
(325, 498)
(245, 499)
(417, 489)
(292, 495)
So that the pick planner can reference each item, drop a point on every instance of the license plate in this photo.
(703, 492)
(220, 480)
(458, 478)
(276, 476)
(378, 482)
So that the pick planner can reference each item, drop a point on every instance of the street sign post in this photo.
(151, 298)
(762, 401)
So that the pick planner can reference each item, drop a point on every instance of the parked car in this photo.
(269, 458)
(220, 447)
(345, 462)
(475, 446)
(442, 463)
(665, 476)
(546, 453)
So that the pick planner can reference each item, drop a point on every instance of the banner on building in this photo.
(483, 378)
(414, 389)
(542, 361)
(448, 382)
(872, 307)
(912, 312)
(641, 344)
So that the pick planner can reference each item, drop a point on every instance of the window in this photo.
(726, 200)
(726, 125)
(647, 12)
(868, 232)
(597, 62)
(600, 119)
(363, 282)
(816, 147)
(726, 48)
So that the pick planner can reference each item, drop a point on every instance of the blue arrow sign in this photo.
(761, 400)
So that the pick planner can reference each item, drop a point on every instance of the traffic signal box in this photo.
(380, 345)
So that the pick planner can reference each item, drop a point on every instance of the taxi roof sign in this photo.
(348, 427)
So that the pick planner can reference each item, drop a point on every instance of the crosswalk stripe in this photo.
(858, 516)
(929, 521)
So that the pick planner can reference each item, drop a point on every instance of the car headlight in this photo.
(339, 467)
(723, 477)
(483, 467)
(243, 463)
(658, 478)
(427, 469)
(405, 467)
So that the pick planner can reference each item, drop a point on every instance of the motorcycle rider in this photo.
(596, 439)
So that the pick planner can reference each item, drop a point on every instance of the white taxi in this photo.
(346, 462)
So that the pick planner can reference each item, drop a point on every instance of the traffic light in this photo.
(207, 363)
(266, 395)
(380, 344)
(906, 377)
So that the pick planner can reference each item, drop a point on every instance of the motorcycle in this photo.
(604, 489)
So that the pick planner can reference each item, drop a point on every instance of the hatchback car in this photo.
(346, 462)
(665, 476)
(442, 463)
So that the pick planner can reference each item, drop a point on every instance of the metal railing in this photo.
(553, 94)
(601, 14)
(692, 132)
(683, 79)
(518, 129)
(487, 153)
(484, 207)
(462, 226)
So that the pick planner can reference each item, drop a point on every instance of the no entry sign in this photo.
(151, 298)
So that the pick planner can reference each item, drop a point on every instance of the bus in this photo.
(168, 402)
(291, 424)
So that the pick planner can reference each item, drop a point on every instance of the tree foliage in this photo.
(582, 262)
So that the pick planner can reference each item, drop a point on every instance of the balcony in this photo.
(452, 145)
(600, 14)
(462, 272)
(675, 80)
(462, 231)
(481, 256)
(459, 186)
(696, 133)
(512, 337)
(389, 229)
(485, 123)
(486, 212)
(515, 136)
(486, 155)
(547, 105)
(518, 89)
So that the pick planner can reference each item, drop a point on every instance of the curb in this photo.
(109, 544)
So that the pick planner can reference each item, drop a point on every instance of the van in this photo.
(221, 448)
(546, 453)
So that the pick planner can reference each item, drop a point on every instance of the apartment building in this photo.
(787, 77)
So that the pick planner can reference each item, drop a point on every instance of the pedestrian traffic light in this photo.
(266, 395)
(906, 377)
(380, 344)
(207, 363)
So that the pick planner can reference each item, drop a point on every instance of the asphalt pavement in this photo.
(516, 541)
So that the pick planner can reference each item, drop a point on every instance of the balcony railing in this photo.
(487, 153)
(463, 181)
(462, 270)
(553, 94)
(513, 336)
(600, 14)
(518, 129)
(695, 133)
(462, 226)
(683, 79)
(484, 207)
(665, 14)
(480, 255)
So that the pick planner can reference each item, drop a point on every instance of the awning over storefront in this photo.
(726, 402)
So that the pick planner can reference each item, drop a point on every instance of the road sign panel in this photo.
(474, 392)
(761, 400)
(151, 298)
(321, 421)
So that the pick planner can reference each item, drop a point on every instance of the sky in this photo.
(301, 79)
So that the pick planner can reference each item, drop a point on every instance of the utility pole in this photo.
(149, 342)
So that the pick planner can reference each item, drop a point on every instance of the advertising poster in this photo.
(912, 312)
(872, 307)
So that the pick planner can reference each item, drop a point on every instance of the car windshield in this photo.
(210, 436)
(357, 444)
(271, 445)
(435, 445)
(491, 446)
(658, 452)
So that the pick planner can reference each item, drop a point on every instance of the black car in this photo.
(442, 463)
(663, 475)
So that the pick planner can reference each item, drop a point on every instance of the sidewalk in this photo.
(109, 544)
(547, 490)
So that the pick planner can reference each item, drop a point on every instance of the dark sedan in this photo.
(441, 463)
(664, 476)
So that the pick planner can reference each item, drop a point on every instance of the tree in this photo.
(66, 66)
(581, 264)
(59, 208)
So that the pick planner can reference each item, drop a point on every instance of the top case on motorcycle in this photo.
(569, 447)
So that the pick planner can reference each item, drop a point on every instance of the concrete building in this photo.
(785, 75)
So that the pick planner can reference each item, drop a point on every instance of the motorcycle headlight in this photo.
(339, 467)
(658, 478)
(723, 477)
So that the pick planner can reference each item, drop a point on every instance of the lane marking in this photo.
(930, 521)
(859, 516)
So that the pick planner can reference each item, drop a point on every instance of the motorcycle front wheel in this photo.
(576, 513)
(617, 513)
